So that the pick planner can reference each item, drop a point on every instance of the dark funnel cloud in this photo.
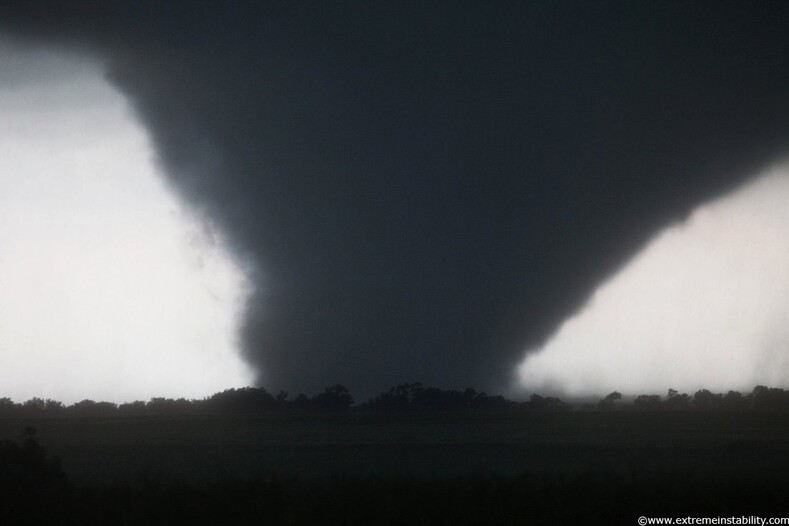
(423, 190)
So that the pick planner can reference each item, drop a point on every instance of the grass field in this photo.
(530, 468)
(749, 445)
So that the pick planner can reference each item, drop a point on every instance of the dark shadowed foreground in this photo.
(606, 467)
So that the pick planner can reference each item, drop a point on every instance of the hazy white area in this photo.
(110, 289)
(704, 305)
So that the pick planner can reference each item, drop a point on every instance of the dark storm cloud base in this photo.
(425, 190)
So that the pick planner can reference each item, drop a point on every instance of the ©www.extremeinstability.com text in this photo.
(751, 520)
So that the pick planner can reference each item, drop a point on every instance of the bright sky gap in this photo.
(111, 288)
(705, 305)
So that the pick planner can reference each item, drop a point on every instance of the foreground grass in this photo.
(591, 498)
(408, 469)
(116, 450)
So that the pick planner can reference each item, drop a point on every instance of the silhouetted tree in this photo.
(416, 397)
(38, 407)
(8, 407)
(676, 401)
(646, 403)
(705, 400)
(245, 400)
(484, 402)
(403, 397)
(32, 485)
(301, 402)
(769, 399)
(336, 398)
(168, 406)
(735, 401)
(34, 407)
(547, 403)
(398, 398)
(607, 403)
(91, 408)
(133, 408)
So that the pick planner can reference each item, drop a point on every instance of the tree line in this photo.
(762, 398)
(407, 397)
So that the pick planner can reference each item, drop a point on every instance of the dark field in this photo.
(105, 450)
(464, 468)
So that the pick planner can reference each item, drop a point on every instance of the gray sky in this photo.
(421, 191)
(111, 289)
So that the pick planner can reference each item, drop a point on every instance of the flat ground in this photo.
(730, 446)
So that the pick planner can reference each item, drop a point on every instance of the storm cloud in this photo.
(422, 191)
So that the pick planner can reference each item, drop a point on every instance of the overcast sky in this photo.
(111, 288)
(425, 191)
